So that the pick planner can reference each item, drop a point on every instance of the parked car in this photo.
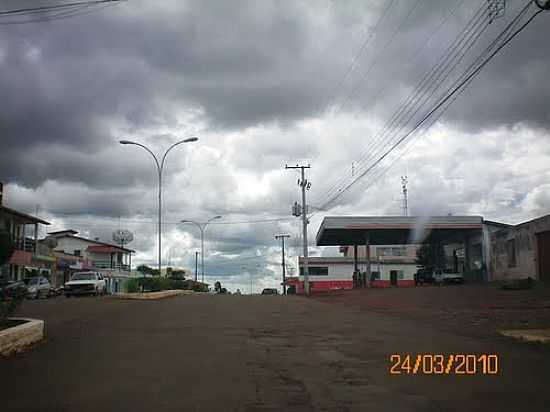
(85, 283)
(424, 276)
(270, 291)
(443, 276)
(38, 287)
(13, 288)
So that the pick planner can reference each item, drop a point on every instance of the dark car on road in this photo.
(424, 276)
(12, 289)
(270, 291)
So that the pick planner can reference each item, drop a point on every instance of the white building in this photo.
(109, 258)
(391, 265)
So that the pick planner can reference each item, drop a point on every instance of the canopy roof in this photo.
(394, 230)
(24, 217)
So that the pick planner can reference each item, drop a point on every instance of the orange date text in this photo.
(440, 364)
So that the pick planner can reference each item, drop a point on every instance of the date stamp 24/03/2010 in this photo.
(444, 364)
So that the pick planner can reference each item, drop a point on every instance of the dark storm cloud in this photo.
(510, 89)
(250, 79)
(141, 63)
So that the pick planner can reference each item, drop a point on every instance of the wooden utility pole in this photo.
(305, 185)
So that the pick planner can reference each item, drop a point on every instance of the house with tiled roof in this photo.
(107, 257)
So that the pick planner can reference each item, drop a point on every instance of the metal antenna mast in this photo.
(405, 200)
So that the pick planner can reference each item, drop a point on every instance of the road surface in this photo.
(254, 353)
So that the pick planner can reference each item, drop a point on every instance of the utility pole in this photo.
(405, 200)
(196, 265)
(305, 185)
(283, 237)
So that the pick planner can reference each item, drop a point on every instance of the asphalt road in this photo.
(242, 353)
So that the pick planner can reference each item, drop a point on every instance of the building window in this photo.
(511, 250)
(374, 275)
(315, 271)
(391, 251)
(400, 275)
(76, 252)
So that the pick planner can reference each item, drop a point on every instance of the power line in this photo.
(355, 89)
(354, 62)
(455, 90)
(31, 10)
(473, 25)
(54, 12)
(426, 88)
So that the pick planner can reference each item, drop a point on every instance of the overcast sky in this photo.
(263, 84)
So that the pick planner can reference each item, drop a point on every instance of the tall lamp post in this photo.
(160, 168)
(202, 228)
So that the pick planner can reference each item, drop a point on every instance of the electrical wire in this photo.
(373, 64)
(354, 62)
(459, 88)
(30, 10)
(471, 27)
(47, 13)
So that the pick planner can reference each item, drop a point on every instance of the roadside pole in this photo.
(282, 237)
(305, 185)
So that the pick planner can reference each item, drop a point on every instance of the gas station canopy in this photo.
(394, 230)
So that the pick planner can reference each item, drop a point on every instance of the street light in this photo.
(160, 168)
(202, 228)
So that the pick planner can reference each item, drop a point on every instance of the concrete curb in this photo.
(528, 335)
(19, 337)
(153, 295)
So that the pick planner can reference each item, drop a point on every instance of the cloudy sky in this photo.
(263, 84)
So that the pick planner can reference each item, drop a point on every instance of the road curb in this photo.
(18, 338)
(153, 295)
(528, 335)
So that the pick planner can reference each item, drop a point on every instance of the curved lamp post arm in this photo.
(191, 139)
(148, 150)
(194, 223)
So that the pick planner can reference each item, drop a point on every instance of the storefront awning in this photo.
(20, 258)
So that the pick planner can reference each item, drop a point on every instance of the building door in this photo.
(393, 277)
(543, 249)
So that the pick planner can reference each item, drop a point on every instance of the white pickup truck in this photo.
(443, 276)
(85, 283)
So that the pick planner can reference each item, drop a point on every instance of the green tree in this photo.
(146, 270)
(431, 256)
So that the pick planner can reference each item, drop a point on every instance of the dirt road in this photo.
(260, 353)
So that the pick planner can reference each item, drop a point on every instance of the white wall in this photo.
(70, 244)
(344, 271)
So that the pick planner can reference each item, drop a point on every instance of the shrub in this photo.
(199, 287)
(178, 284)
(133, 286)
(156, 284)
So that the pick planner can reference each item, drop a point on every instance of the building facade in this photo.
(104, 256)
(521, 251)
(27, 254)
(391, 265)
